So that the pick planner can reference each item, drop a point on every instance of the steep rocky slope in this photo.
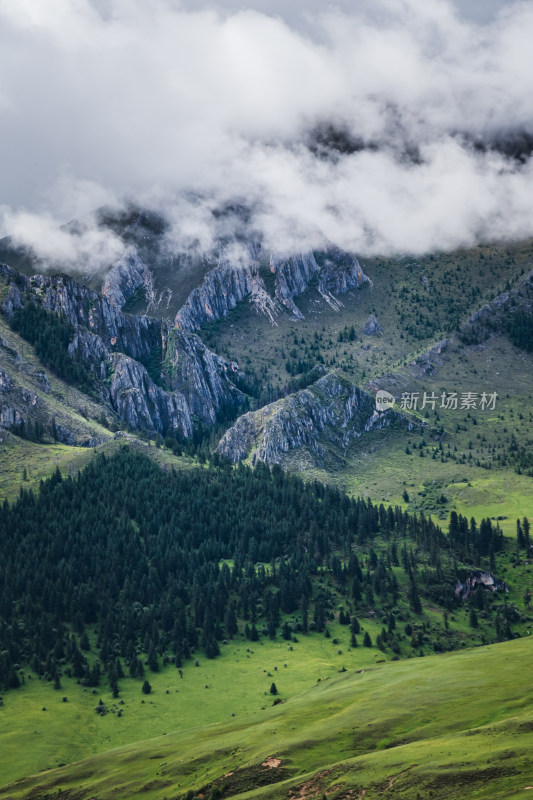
(192, 381)
(220, 291)
(330, 413)
(36, 404)
(335, 270)
(228, 283)
(125, 278)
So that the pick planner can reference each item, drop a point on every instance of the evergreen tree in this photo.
(520, 540)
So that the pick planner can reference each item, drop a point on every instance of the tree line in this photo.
(149, 566)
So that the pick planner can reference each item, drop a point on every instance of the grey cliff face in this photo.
(202, 377)
(32, 400)
(195, 382)
(143, 405)
(340, 271)
(228, 283)
(336, 271)
(292, 277)
(220, 291)
(330, 412)
(133, 335)
(125, 278)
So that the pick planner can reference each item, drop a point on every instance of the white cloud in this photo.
(151, 100)
(89, 249)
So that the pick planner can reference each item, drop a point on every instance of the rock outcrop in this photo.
(157, 377)
(202, 377)
(227, 283)
(331, 413)
(293, 275)
(220, 291)
(195, 383)
(336, 272)
(429, 362)
(143, 405)
(136, 336)
(125, 278)
(33, 403)
(484, 580)
(372, 326)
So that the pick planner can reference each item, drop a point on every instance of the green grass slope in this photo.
(24, 464)
(458, 725)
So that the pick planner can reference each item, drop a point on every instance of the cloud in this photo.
(87, 249)
(165, 105)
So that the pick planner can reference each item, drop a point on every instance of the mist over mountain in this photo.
(401, 127)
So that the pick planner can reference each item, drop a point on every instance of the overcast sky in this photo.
(147, 100)
(297, 14)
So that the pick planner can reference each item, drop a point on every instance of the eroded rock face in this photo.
(125, 278)
(336, 271)
(144, 405)
(229, 283)
(195, 382)
(292, 278)
(30, 406)
(430, 361)
(203, 378)
(331, 412)
(492, 318)
(220, 291)
(130, 334)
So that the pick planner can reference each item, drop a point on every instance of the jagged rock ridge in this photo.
(220, 291)
(331, 412)
(195, 382)
(228, 283)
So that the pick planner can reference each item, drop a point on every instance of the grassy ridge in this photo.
(40, 460)
(457, 725)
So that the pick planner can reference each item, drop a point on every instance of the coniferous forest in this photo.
(149, 566)
(51, 335)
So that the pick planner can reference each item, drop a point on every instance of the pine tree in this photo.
(153, 663)
(520, 539)
(526, 527)
(230, 622)
(13, 681)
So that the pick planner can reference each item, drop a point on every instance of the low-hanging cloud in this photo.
(398, 127)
